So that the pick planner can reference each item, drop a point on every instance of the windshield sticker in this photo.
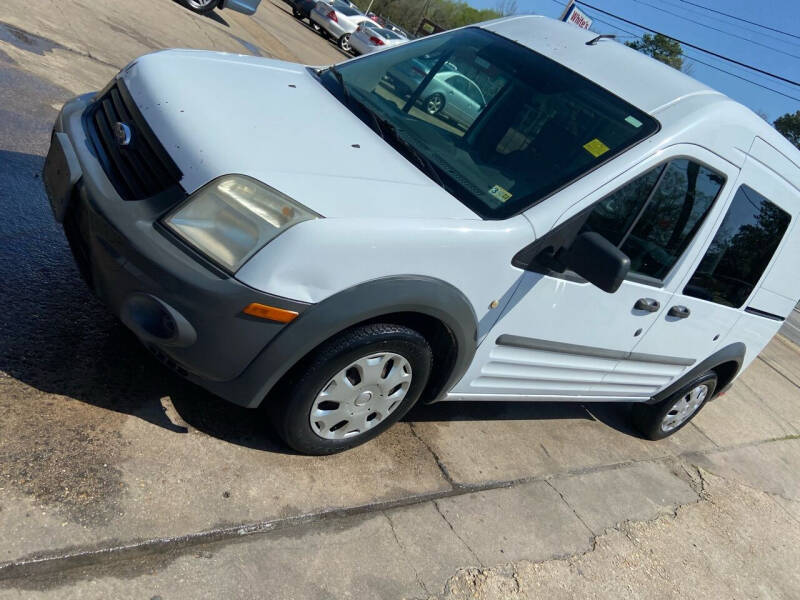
(595, 147)
(633, 121)
(500, 193)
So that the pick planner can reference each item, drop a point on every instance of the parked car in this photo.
(366, 38)
(337, 20)
(407, 75)
(301, 9)
(454, 96)
(607, 229)
(247, 7)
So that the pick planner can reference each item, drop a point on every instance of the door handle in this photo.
(647, 304)
(679, 312)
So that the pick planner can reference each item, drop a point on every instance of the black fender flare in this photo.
(731, 353)
(319, 322)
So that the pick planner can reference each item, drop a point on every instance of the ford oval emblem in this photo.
(123, 133)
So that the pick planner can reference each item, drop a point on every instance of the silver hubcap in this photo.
(200, 3)
(434, 104)
(346, 42)
(360, 396)
(684, 408)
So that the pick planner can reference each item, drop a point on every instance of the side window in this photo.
(614, 214)
(740, 251)
(654, 218)
(671, 217)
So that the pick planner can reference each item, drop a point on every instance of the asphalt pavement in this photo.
(120, 480)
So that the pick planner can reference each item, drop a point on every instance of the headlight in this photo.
(233, 217)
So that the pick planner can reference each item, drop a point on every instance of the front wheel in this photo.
(298, 14)
(344, 42)
(352, 388)
(201, 6)
(434, 104)
(657, 421)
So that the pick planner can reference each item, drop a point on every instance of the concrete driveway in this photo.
(118, 479)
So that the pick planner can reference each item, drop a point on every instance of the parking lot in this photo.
(119, 479)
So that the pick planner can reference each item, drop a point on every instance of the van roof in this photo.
(646, 83)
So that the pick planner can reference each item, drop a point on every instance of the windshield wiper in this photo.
(428, 166)
(340, 79)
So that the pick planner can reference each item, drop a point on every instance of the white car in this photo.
(338, 20)
(366, 39)
(454, 96)
(606, 230)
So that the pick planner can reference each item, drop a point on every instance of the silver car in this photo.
(337, 20)
(368, 38)
(453, 96)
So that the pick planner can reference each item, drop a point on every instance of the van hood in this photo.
(217, 114)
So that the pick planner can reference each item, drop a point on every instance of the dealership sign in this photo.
(577, 17)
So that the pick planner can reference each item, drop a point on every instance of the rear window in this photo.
(740, 251)
(389, 34)
(521, 127)
(345, 9)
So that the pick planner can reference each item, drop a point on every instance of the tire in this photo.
(201, 6)
(434, 104)
(657, 421)
(344, 42)
(362, 381)
(298, 14)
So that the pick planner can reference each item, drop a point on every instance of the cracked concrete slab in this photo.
(772, 466)
(737, 542)
(640, 492)
(346, 558)
(429, 544)
(523, 521)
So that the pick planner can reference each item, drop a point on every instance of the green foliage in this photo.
(789, 126)
(661, 48)
(446, 13)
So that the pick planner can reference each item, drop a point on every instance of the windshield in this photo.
(501, 125)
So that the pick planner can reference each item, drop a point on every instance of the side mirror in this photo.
(597, 260)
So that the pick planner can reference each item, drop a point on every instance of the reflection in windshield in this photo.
(501, 125)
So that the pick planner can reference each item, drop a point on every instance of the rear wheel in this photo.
(201, 6)
(344, 42)
(657, 421)
(352, 388)
(298, 14)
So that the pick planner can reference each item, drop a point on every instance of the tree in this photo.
(661, 48)
(445, 13)
(506, 7)
(789, 126)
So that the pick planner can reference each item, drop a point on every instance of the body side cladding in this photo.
(563, 348)
(363, 302)
(733, 353)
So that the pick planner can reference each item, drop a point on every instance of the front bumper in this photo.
(184, 309)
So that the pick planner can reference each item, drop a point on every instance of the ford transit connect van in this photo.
(601, 228)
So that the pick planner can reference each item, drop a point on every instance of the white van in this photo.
(604, 228)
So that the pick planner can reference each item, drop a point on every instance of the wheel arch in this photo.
(437, 309)
(726, 362)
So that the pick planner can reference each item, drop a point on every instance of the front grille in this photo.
(140, 169)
